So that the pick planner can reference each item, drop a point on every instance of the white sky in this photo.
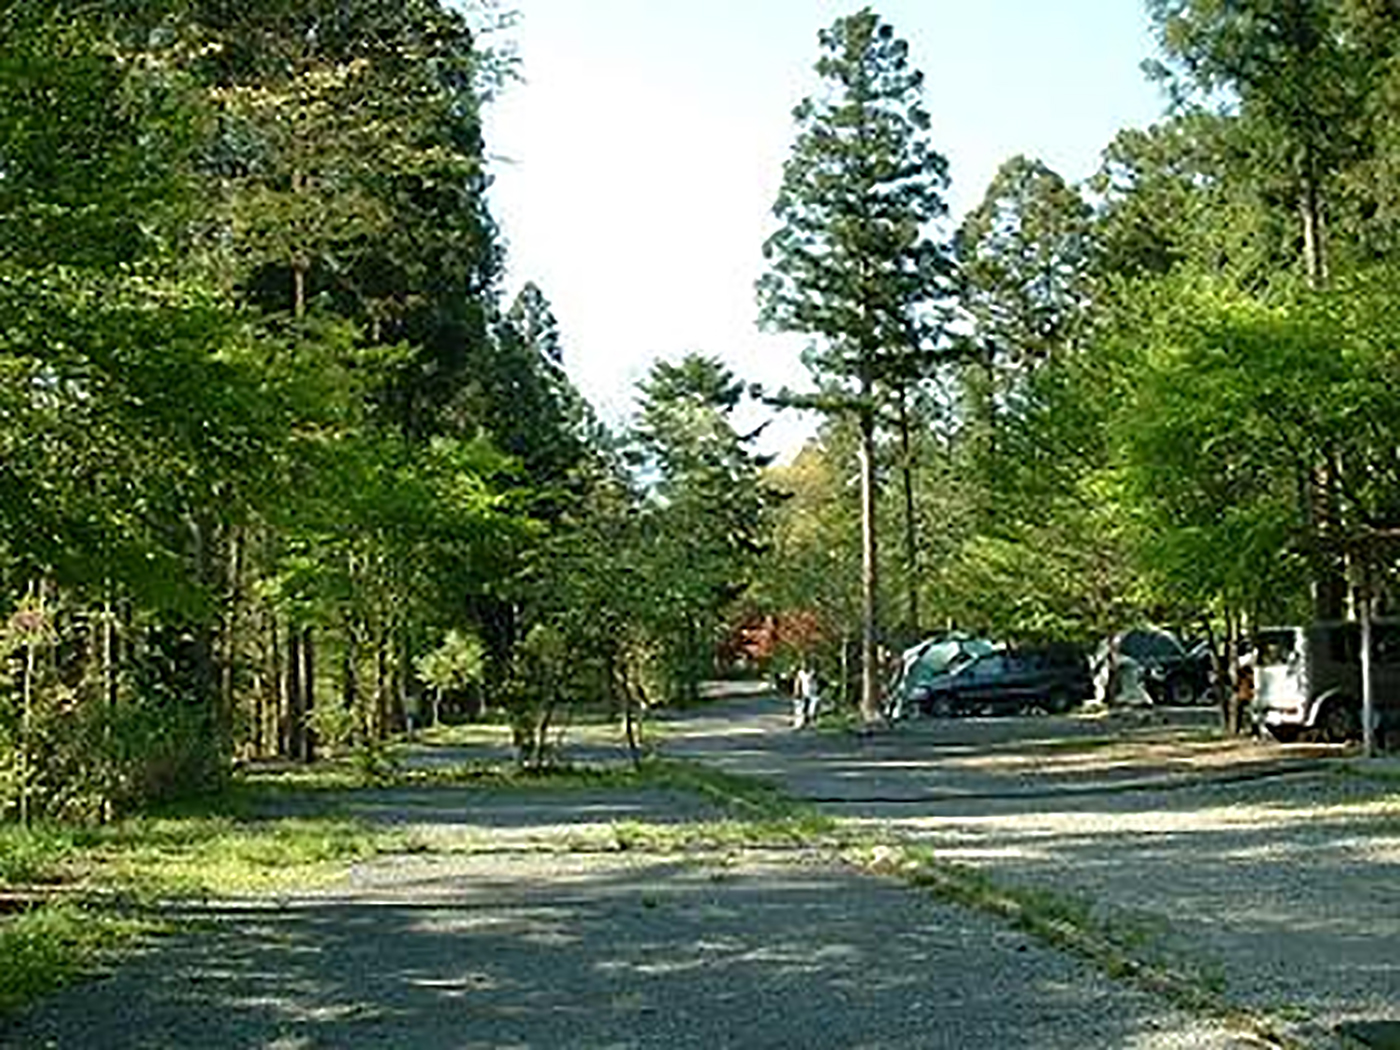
(637, 165)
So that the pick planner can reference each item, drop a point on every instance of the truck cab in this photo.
(1309, 678)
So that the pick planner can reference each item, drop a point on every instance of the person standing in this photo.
(804, 697)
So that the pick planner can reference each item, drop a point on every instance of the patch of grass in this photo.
(1125, 950)
(34, 854)
(469, 734)
(233, 843)
(717, 835)
(840, 720)
(760, 814)
(52, 946)
(509, 776)
(1383, 772)
(84, 893)
(156, 857)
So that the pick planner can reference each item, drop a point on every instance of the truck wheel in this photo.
(1339, 722)
(1284, 734)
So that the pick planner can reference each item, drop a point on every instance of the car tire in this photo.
(1179, 693)
(1284, 734)
(938, 707)
(1059, 702)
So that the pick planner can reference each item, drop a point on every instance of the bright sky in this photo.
(637, 165)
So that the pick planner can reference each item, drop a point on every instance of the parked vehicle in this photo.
(1309, 678)
(1007, 681)
(924, 662)
(1170, 674)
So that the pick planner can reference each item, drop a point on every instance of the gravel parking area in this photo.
(532, 950)
(1288, 889)
(524, 924)
(1263, 868)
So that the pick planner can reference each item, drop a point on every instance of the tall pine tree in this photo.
(853, 262)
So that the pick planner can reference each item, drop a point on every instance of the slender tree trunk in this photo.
(350, 682)
(277, 736)
(300, 265)
(1368, 699)
(1311, 212)
(109, 651)
(381, 683)
(869, 650)
(228, 670)
(911, 536)
(108, 681)
(308, 695)
(27, 709)
(295, 726)
(845, 670)
(402, 664)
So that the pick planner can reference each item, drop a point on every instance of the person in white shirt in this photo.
(805, 698)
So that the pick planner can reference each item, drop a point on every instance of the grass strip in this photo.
(80, 894)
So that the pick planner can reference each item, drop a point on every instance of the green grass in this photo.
(84, 894)
(54, 945)
(1368, 771)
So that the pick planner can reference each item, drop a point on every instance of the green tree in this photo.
(1023, 257)
(705, 523)
(1175, 195)
(852, 261)
(132, 409)
(1299, 83)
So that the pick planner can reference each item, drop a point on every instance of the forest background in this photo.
(281, 469)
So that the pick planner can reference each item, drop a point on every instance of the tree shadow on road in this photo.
(555, 952)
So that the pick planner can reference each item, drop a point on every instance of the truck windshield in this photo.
(1274, 647)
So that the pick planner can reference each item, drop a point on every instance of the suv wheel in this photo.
(1180, 692)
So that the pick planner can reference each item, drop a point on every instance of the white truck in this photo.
(1309, 679)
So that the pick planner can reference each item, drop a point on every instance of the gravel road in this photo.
(532, 951)
(1255, 864)
(521, 939)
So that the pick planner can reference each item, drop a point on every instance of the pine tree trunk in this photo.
(869, 649)
(381, 684)
(308, 695)
(277, 735)
(1310, 209)
(232, 622)
(911, 536)
(295, 727)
